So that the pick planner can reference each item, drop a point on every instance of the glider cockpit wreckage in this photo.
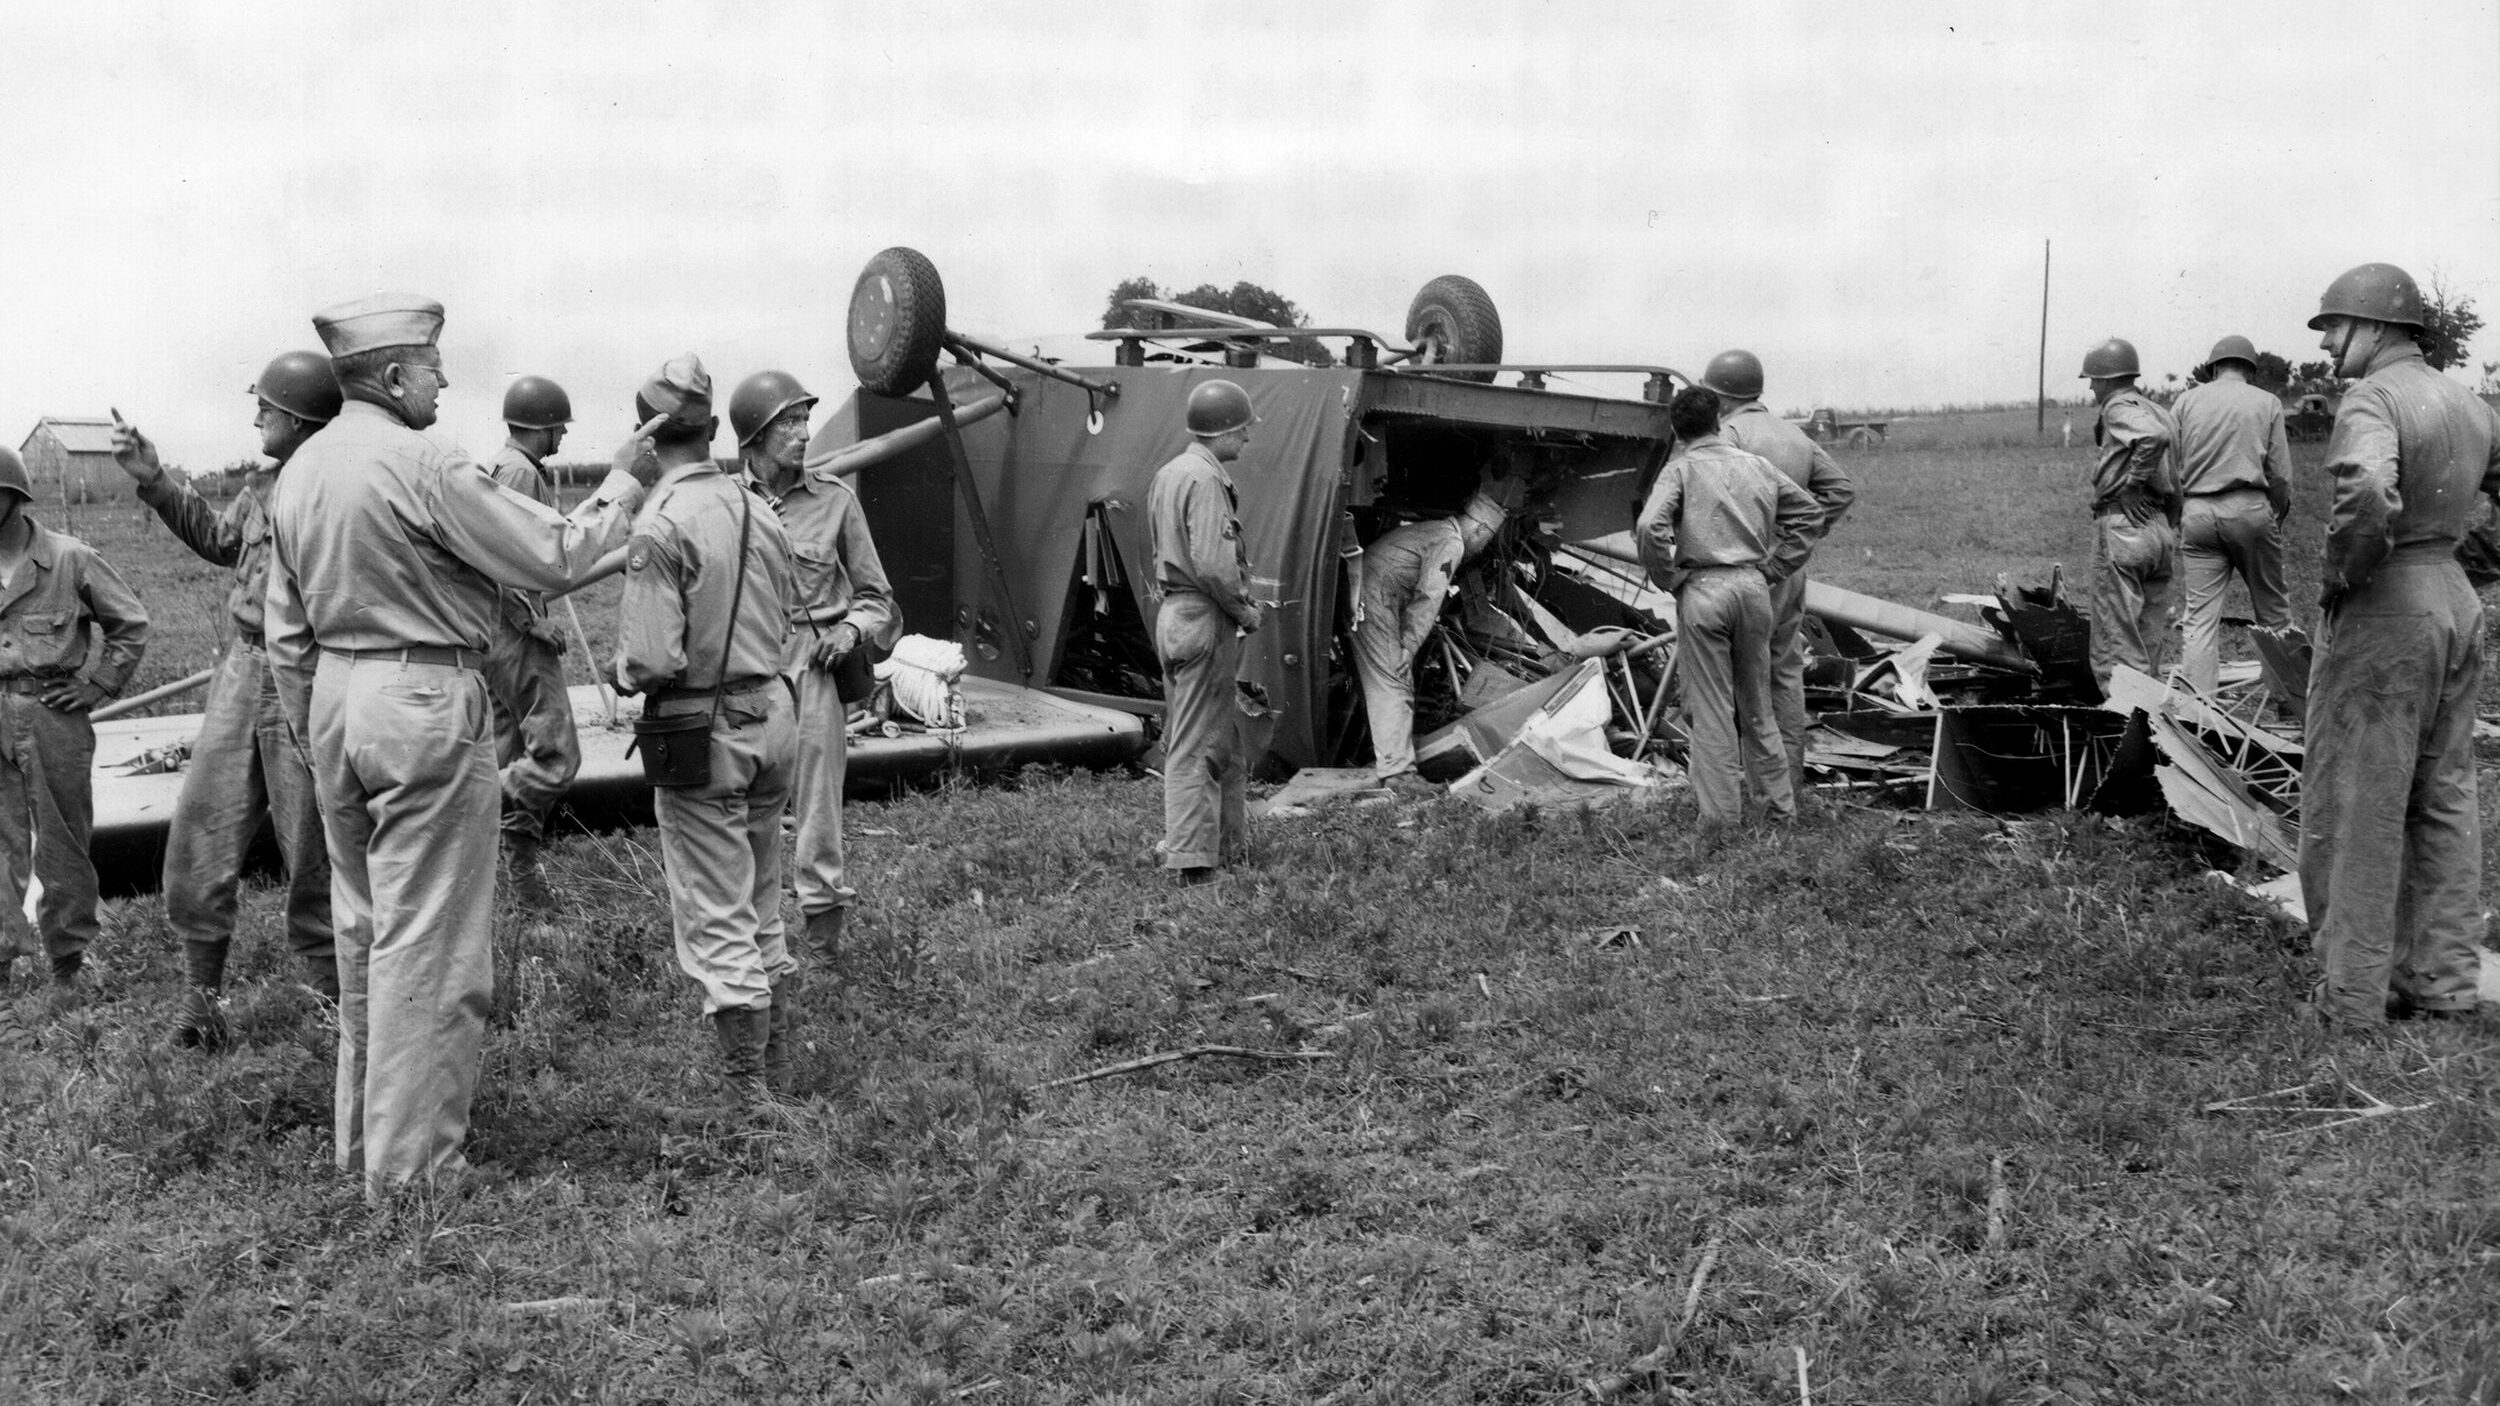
(1007, 492)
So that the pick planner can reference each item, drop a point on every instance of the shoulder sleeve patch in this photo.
(639, 556)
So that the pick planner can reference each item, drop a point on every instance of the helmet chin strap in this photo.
(2347, 364)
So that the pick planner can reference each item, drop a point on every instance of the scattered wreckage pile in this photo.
(1551, 678)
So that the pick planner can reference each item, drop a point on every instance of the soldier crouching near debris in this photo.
(2390, 839)
(708, 585)
(244, 764)
(841, 607)
(1723, 527)
(1202, 583)
(54, 593)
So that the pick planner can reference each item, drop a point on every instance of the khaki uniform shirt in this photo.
(384, 539)
(1754, 429)
(840, 577)
(1406, 575)
(1193, 525)
(1716, 505)
(681, 573)
(47, 611)
(2231, 436)
(2139, 450)
(237, 537)
(526, 611)
(2412, 454)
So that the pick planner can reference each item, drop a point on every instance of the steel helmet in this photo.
(301, 384)
(13, 478)
(760, 399)
(2379, 292)
(2230, 349)
(2115, 357)
(536, 403)
(1734, 374)
(1218, 406)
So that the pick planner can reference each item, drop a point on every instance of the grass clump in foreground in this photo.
(1926, 1092)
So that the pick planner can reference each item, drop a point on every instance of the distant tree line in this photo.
(1243, 299)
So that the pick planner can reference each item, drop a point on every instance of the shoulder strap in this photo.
(737, 597)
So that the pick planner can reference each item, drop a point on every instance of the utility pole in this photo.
(2040, 414)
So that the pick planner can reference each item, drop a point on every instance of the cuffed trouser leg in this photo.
(1723, 660)
(535, 739)
(46, 812)
(2206, 564)
(1205, 811)
(820, 877)
(1788, 674)
(2391, 844)
(721, 843)
(244, 765)
(405, 759)
(2133, 588)
(1387, 672)
(286, 779)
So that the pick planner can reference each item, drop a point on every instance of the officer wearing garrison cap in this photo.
(534, 735)
(243, 765)
(389, 549)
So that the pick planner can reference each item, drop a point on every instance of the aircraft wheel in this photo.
(1454, 321)
(897, 321)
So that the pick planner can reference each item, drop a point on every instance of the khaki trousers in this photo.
(404, 756)
(1206, 812)
(1723, 659)
(535, 741)
(1788, 674)
(2220, 535)
(721, 845)
(244, 765)
(821, 876)
(46, 812)
(2391, 838)
(1386, 667)
(2133, 590)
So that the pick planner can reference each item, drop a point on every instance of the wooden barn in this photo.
(71, 460)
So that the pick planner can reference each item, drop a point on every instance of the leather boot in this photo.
(825, 928)
(529, 880)
(742, 1032)
(197, 1020)
(778, 1040)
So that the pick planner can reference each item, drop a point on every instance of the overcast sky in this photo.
(1857, 192)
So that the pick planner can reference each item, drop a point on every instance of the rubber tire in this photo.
(1456, 314)
(897, 322)
(1863, 438)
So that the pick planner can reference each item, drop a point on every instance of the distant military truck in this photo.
(2309, 418)
(1825, 426)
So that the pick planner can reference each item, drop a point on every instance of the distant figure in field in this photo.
(1722, 529)
(1204, 609)
(2066, 431)
(2235, 473)
(535, 741)
(2391, 852)
(2135, 516)
(244, 765)
(1744, 421)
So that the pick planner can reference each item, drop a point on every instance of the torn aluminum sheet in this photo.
(2239, 782)
(1559, 754)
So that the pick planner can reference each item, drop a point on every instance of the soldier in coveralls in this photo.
(534, 737)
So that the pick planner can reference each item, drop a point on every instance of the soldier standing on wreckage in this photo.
(2135, 517)
(244, 763)
(842, 606)
(535, 742)
(388, 550)
(708, 587)
(1203, 612)
(2390, 840)
(1722, 529)
(1744, 421)
(2235, 465)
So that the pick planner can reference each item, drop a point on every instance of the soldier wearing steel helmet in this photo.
(2135, 516)
(1202, 584)
(2390, 838)
(244, 764)
(387, 551)
(535, 741)
(843, 607)
(56, 594)
(2235, 461)
(1735, 376)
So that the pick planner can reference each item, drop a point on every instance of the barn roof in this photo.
(78, 434)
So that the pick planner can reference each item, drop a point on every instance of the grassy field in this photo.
(1911, 1109)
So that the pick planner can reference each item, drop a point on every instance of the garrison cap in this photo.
(383, 320)
(681, 390)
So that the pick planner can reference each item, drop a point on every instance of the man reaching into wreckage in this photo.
(1407, 573)
(2135, 517)
(2390, 842)
(1721, 530)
